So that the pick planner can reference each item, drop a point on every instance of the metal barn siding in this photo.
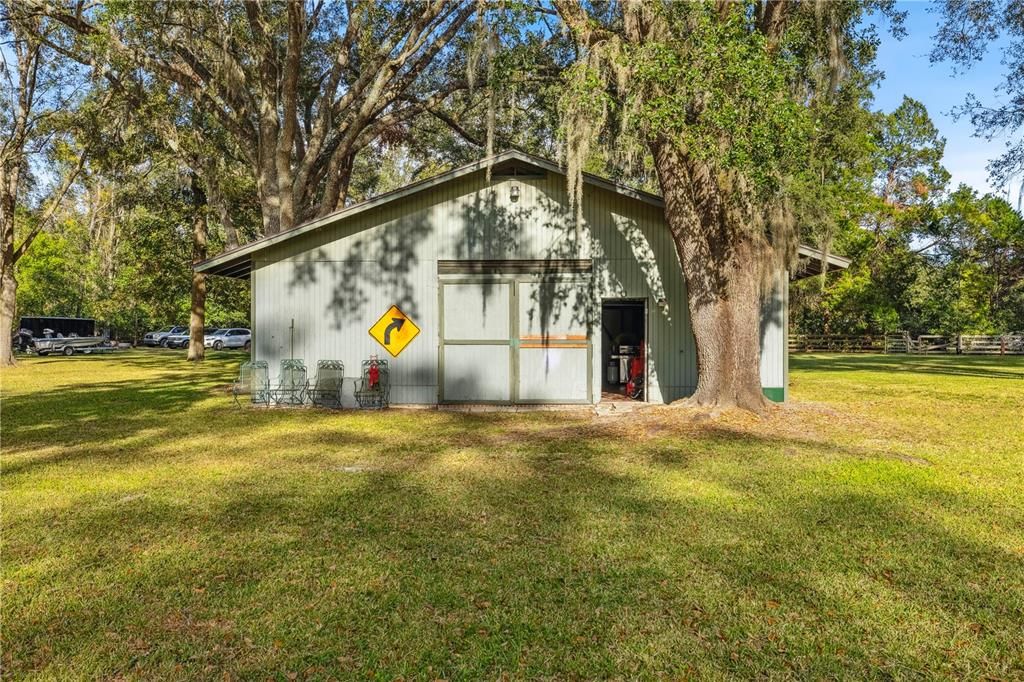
(315, 295)
(635, 258)
(774, 341)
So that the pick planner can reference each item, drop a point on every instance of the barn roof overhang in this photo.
(237, 263)
(811, 261)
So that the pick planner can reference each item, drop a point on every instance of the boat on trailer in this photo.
(69, 345)
(46, 335)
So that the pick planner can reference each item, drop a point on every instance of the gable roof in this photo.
(237, 262)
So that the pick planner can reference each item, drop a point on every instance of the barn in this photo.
(513, 299)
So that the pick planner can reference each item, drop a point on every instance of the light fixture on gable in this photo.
(513, 192)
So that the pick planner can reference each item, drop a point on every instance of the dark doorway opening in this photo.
(623, 348)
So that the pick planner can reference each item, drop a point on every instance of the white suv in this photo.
(234, 337)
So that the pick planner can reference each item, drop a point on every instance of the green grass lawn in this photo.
(874, 527)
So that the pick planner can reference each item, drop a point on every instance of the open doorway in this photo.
(623, 349)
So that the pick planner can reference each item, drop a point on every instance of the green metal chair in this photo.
(374, 388)
(254, 381)
(291, 383)
(330, 379)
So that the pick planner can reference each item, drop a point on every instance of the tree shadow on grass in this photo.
(480, 544)
(95, 412)
(476, 544)
(145, 358)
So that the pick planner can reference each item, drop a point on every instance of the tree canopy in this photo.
(967, 31)
(296, 88)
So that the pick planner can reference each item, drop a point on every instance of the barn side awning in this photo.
(810, 262)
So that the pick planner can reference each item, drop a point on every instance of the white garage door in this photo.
(515, 341)
(554, 346)
(476, 342)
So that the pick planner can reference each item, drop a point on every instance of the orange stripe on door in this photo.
(552, 345)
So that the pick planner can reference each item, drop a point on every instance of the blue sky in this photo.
(908, 72)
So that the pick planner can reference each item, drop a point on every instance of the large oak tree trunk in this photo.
(722, 264)
(197, 320)
(339, 176)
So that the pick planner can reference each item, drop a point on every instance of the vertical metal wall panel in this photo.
(785, 335)
(773, 335)
(553, 308)
(477, 311)
(483, 223)
(634, 257)
(335, 282)
(554, 324)
(553, 374)
(335, 291)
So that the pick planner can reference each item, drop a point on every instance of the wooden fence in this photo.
(1005, 344)
(832, 343)
(965, 344)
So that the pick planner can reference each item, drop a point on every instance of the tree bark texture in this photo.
(197, 319)
(722, 265)
(8, 284)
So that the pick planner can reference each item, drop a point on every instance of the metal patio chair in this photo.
(330, 379)
(254, 381)
(374, 388)
(291, 383)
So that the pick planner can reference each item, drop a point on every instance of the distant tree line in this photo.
(960, 272)
(121, 254)
(927, 259)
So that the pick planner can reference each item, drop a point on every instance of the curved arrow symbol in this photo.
(396, 324)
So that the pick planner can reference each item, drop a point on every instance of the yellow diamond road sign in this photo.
(394, 330)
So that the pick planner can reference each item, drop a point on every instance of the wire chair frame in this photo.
(329, 383)
(292, 383)
(254, 381)
(377, 396)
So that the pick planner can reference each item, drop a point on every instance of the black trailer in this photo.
(65, 335)
(65, 326)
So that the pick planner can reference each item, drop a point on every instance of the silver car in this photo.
(176, 340)
(233, 337)
(160, 338)
(181, 340)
